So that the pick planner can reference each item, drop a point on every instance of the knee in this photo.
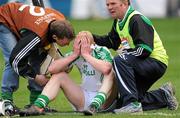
(60, 77)
(110, 76)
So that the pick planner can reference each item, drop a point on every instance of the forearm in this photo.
(139, 51)
(100, 65)
(111, 42)
(107, 83)
(61, 64)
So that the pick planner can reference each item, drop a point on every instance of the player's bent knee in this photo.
(62, 76)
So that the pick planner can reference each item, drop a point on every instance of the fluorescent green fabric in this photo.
(122, 28)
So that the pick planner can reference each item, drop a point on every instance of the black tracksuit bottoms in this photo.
(135, 76)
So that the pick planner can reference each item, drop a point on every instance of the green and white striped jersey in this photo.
(91, 78)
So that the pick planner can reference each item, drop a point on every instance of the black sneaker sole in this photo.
(87, 113)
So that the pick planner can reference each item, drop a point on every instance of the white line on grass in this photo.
(159, 114)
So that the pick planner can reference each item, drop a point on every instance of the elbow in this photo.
(52, 68)
(107, 69)
(14, 65)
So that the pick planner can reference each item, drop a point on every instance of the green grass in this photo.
(169, 31)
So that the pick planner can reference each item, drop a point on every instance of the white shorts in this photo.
(88, 95)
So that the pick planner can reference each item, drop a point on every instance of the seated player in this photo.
(98, 89)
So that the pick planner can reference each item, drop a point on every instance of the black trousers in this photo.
(135, 76)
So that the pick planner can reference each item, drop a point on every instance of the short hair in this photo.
(124, 1)
(62, 28)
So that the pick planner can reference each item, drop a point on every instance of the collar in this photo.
(123, 21)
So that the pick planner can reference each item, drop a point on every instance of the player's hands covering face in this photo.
(77, 45)
(85, 46)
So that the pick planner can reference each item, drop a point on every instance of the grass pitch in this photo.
(169, 31)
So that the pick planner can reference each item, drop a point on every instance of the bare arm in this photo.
(62, 63)
(101, 65)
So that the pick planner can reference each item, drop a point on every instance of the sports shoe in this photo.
(169, 91)
(91, 110)
(14, 111)
(32, 111)
(8, 108)
(130, 108)
(47, 109)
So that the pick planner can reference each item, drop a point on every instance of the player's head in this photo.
(125, 1)
(61, 31)
(86, 35)
(117, 8)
